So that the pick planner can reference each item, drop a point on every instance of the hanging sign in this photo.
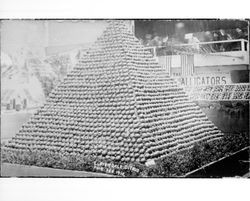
(205, 79)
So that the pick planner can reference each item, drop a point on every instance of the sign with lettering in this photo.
(122, 170)
(150, 163)
(205, 79)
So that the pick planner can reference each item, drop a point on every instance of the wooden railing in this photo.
(243, 46)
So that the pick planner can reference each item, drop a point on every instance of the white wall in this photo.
(66, 32)
(219, 59)
(35, 35)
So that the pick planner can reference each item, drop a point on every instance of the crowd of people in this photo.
(155, 40)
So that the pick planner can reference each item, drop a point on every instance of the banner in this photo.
(205, 79)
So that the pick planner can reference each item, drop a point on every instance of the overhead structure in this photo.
(117, 104)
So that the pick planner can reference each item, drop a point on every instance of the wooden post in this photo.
(14, 103)
(242, 45)
(154, 50)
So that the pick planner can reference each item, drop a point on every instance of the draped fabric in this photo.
(166, 63)
(187, 65)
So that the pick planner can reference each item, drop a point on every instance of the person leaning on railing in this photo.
(225, 36)
(239, 34)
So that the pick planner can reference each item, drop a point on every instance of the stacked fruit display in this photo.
(117, 104)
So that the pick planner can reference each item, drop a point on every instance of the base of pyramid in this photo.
(70, 162)
(174, 165)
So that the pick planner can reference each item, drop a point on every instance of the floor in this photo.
(16, 170)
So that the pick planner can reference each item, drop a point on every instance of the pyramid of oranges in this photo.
(116, 104)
